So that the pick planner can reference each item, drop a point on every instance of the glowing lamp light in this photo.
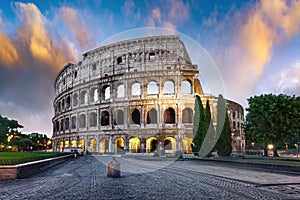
(270, 146)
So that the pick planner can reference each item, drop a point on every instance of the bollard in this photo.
(113, 169)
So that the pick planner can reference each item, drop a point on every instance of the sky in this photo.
(254, 44)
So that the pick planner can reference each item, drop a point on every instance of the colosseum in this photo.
(134, 96)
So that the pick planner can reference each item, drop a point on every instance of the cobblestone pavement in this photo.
(85, 178)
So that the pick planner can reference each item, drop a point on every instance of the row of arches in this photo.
(106, 119)
(133, 145)
(95, 93)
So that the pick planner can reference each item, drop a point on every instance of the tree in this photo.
(272, 119)
(223, 132)
(198, 125)
(8, 127)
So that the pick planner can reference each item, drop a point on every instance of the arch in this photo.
(152, 88)
(233, 125)
(169, 145)
(75, 99)
(93, 119)
(59, 106)
(134, 145)
(121, 91)
(104, 118)
(169, 87)
(104, 145)
(94, 95)
(152, 116)
(67, 143)
(82, 121)
(187, 145)
(67, 123)
(186, 87)
(73, 123)
(105, 92)
(68, 102)
(151, 145)
(136, 89)
(135, 116)
(83, 97)
(169, 116)
(81, 144)
(92, 145)
(119, 145)
(62, 125)
(187, 115)
(63, 104)
(73, 143)
(119, 117)
(61, 145)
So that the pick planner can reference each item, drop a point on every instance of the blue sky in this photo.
(255, 45)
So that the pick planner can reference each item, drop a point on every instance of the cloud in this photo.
(247, 39)
(131, 11)
(8, 53)
(169, 15)
(30, 58)
(78, 28)
(288, 80)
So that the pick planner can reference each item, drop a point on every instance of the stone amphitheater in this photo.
(134, 96)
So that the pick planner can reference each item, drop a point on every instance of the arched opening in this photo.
(104, 145)
(151, 56)
(169, 145)
(73, 123)
(152, 116)
(62, 125)
(61, 145)
(83, 97)
(75, 99)
(105, 92)
(67, 143)
(187, 115)
(81, 144)
(104, 118)
(169, 87)
(59, 106)
(119, 145)
(119, 117)
(68, 102)
(136, 89)
(94, 95)
(121, 91)
(67, 123)
(151, 145)
(187, 145)
(93, 119)
(134, 145)
(152, 88)
(186, 87)
(135, 116)
(169, 116)
(73, 143)
(82, 121)
(92, 145)
(63, 104)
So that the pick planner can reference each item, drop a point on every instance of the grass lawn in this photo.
(13, 158)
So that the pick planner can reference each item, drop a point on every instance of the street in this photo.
(85, 178)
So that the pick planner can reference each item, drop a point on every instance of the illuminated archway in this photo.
(151, 145)
(186, 145)
(119, 145)
(81, 144)
(73, 143)
(169, 145)
(92, 145)
(134, 145)
(104, 145)
(61, 145)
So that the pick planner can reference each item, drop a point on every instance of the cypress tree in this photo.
(223, 145)
(198, 125)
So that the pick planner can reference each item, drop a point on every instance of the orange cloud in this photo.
(8, 53)
(78, 28)
(34, 36)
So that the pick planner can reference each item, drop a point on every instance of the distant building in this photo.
(133, 96)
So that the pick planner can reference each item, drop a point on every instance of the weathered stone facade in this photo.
(132, 96)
